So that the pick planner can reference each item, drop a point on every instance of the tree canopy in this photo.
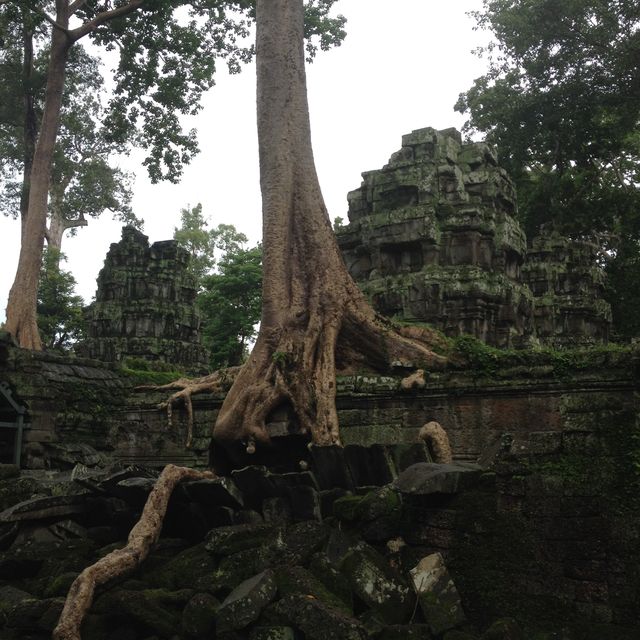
(84, 182)
(202, 242)
(561, 100)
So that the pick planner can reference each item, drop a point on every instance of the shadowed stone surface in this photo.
(424, 478)
(246, 601)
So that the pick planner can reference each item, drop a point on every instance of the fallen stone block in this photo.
(199, 616)
(294, 544)
(425, 478)
(220, 492)
(437, 594)
(272, 633)
(255, 484)
(300, 581)
(316, 620)
(234, 538)
(10, 597)
(41, 508)
(503, 629)
(245, 603)
(378, 585)
(405, 632)
(35, 615)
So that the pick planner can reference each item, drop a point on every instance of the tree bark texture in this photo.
(314, 317)
(21, 306)
(30, 134)
(122, 561)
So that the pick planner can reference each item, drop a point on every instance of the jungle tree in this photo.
(314, 317)
(84, 183)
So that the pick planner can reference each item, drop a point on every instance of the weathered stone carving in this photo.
(432, 239)
(145, 305)
(568, 286)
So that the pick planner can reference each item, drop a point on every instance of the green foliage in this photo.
(83, 183)
(199, 241)
(140, 377)
(487, 361)
(479, 355)
(202, 243)
(168, 54)
(560, 100)
(231, 303)
(59, 309)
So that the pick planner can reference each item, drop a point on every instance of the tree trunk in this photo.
(314, 317)
(21, 307)
(30, 123)
(58, 224)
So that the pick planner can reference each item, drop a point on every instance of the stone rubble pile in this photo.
(259, 554)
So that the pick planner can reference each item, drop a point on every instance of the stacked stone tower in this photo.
(568, 286)
(431, 238)
(145, 305)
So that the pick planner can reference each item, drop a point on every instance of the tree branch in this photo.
(75, 5)
(105, 16)
(43, 14)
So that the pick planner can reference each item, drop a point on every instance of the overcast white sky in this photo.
(401, 67)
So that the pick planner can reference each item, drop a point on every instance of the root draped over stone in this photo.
(215, 382)
(122, 561)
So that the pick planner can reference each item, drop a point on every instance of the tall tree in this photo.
(83, 184)
(167, 59)
(314, 317)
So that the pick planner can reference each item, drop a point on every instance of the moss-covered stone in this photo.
(199, 616)
(316, 620)
(298, 580)
(378, 585)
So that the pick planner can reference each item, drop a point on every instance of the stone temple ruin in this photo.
(530, 531)
(145, 306)
(432, 238)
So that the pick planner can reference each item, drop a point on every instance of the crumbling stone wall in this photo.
(145, 306)
(568, 286)
(432, 238)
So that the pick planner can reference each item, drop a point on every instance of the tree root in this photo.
(141, 539)
(437, 441)
(215, 382)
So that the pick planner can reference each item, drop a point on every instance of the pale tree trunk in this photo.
(314, 317)
(21, 307)
(58, 223)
